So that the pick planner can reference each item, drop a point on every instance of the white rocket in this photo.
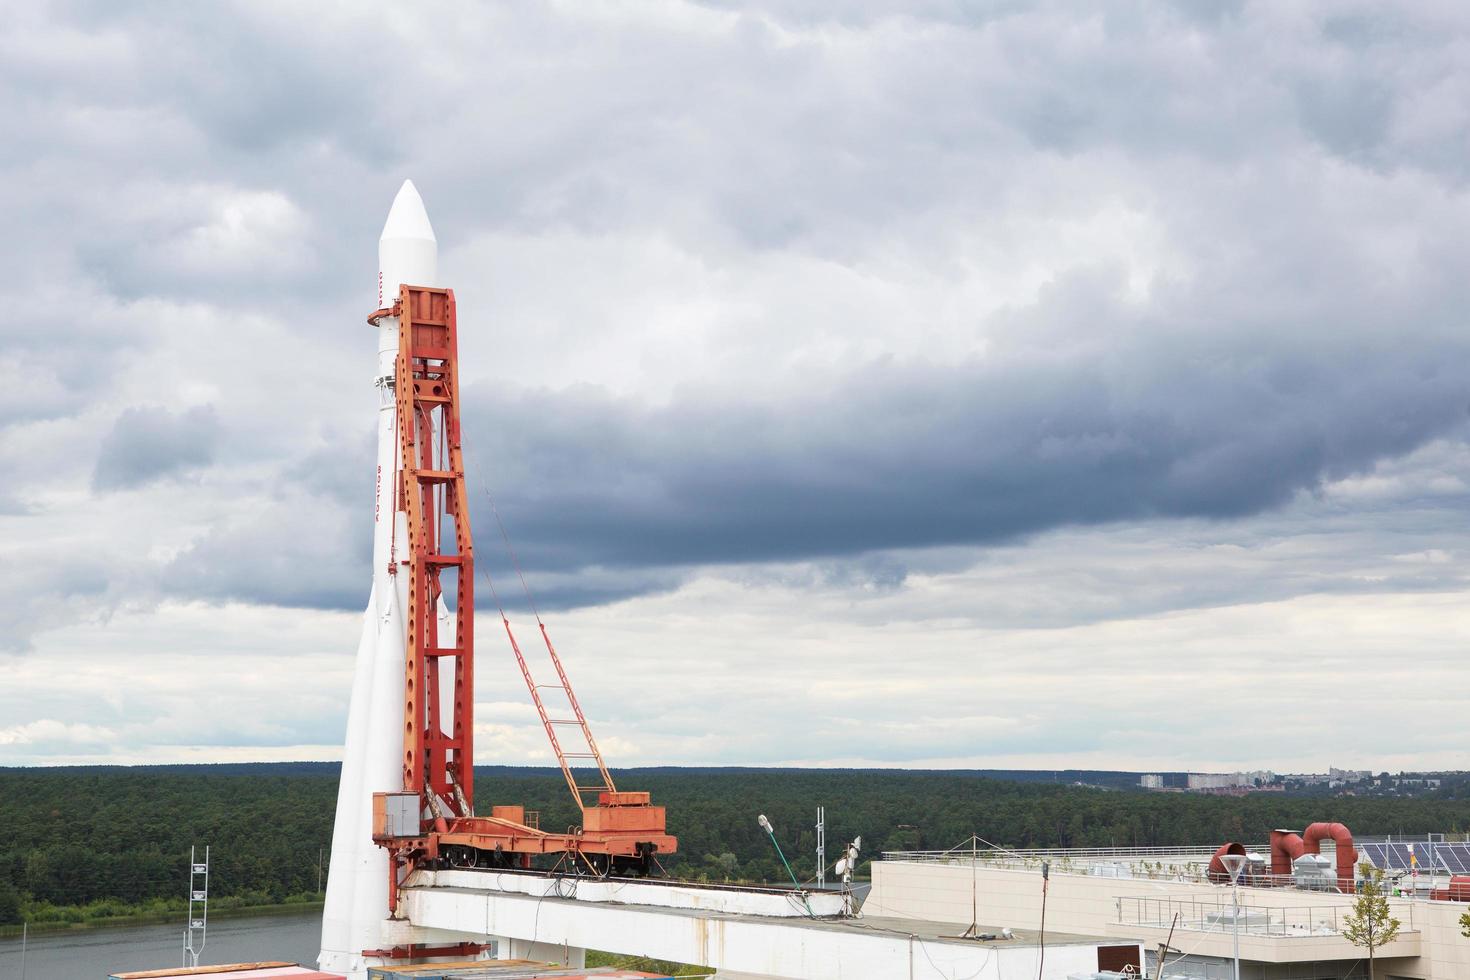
(357, 883)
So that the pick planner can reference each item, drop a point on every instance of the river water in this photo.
(91, 954)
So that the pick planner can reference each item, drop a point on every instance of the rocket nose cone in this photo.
(407, 217)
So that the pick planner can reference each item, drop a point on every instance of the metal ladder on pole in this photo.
(198, 926)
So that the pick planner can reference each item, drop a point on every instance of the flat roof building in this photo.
(1146, 894)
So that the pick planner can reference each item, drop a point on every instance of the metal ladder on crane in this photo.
(579, 791)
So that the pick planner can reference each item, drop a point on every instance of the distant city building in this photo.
(1342, 777)
(1151, 781)
(1230, 782)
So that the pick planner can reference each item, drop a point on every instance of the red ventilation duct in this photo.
(1217, 870)
(1459, 890)
(1347, 854)
(1286, 847)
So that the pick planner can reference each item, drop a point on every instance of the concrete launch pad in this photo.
(457, 906)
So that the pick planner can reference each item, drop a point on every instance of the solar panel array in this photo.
(1444, 856)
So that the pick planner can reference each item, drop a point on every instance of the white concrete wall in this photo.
(768, 902)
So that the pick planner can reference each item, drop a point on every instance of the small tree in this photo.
(1465, 925)
(1370, 924)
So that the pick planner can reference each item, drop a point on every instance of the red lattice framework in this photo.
(621, 831)
(437, 764)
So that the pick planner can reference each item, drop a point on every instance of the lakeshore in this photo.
(94, 951)
(52, 926)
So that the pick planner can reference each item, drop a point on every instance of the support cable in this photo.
(515, 561)
(593, 753)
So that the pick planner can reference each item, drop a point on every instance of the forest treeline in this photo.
(120, 837)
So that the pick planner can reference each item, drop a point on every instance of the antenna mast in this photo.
(198, 908)
(821, 847)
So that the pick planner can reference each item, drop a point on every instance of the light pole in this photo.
(771, 832)
(1234, 863)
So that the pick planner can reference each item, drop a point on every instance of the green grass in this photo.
(666, 968)
(109, 912)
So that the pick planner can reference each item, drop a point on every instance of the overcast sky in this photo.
(923, 383)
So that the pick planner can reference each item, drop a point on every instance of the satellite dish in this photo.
(1006, 932)
(857, 842)
(841, 866)
(766, 824)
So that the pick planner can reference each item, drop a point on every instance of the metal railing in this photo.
(1202, 915)
(1184, 863)
(1073, 854)
(1188, 865)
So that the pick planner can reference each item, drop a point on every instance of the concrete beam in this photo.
(800, 949)
(770, 902)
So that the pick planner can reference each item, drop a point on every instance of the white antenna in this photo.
(844, 867)
(198, 908)
(821, 847)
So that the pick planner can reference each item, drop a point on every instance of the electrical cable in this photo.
(490, 582)
(514, 560)
(989, 950)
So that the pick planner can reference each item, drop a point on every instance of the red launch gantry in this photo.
(433, 821)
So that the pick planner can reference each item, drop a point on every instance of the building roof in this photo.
(931, 931)
(233, 971)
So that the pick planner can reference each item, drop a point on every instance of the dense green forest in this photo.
(115, 839)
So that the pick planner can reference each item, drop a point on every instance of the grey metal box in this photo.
(402, 813)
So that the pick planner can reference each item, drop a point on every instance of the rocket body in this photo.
(357, 883)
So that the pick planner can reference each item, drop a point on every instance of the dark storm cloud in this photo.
(149, 443)
(909, 456)
(557, 591)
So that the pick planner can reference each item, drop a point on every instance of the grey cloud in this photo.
(1351, 115)
(13, 506)
(302, 551)
(147, 443)
(237, 73)
(916, 455)
(47, 590)
(580, 587)
(341, 471)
